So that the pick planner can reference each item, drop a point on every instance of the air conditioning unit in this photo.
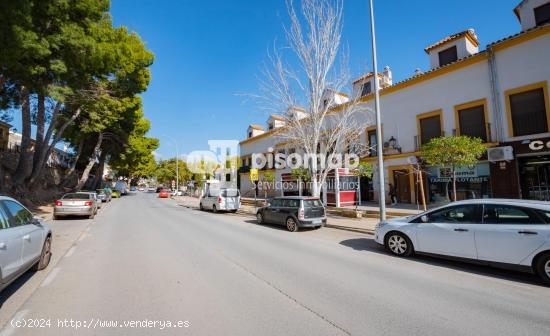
(496, 154)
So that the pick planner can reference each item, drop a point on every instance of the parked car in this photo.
(141, 188)
(152, 189)
(505, 233)
(294, 212)
(121, 187)
(76, 204)
(133, 188)
(164, 193)
(223, 199)
(25, 241)
(104, 195)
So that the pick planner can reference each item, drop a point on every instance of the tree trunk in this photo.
(91, 162)
(47, 149)
(99, 170)
(454, 184)
(40, 121)
(72, 169)
(24, 165)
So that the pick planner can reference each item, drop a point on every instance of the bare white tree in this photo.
(325, 126)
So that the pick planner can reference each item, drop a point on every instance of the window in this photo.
(228, 177)
(542, 14)
(371, 140)
(21, 215)
(4, 222)
(366, 89)
(429, 126)
(312, 203)
(270, 126)
(77, 196)
(276, 202)
(471, 122)
(506, 214)
(448, 56)
(250, 134)
(527, 110)
(465, 214)
(291, 203)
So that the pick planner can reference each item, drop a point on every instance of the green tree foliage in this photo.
(166, 171)
(83, 74)
(453, 152)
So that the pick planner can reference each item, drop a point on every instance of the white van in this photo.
(121, 187)
(224, 199)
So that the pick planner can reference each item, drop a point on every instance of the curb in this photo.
(332, 226)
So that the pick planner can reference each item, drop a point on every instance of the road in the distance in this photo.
(148, 259)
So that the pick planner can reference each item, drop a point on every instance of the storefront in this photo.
(471, 182)
(527, 176)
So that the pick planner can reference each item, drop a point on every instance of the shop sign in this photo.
(447, 172)
(537, 145)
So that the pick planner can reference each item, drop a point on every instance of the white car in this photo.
(505, 233)
(25, 241)
(221, 200)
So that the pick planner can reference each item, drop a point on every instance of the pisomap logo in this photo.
(272, 160)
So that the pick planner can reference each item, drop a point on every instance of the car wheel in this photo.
(291, 225)
(542, 267)
(260, 218)
(214, 209)
(399, 244)
(201, 208)
(234, 211)
(92, 216)
(55, 217)
(45, 256)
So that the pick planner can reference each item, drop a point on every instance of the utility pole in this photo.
(379, 149)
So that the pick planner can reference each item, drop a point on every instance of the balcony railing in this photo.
(489, 136)
(417, 141)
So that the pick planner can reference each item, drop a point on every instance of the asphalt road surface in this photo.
(148, 266)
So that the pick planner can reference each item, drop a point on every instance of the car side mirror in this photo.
(424, 219)
(36, 220)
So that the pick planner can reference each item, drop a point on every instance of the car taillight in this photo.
(89, 203)
(219, 200)
(301, 214)
(58, 203)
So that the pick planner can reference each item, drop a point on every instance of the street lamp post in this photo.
(381, 182)
(177, 162)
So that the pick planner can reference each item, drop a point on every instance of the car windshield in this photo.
(312, 203)
(77, 196)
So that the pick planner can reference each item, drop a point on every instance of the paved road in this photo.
(148, 260)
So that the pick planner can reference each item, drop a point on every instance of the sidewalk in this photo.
(363, 225)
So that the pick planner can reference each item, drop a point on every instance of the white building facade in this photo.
(498, 93)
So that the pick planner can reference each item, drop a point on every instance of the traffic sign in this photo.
(254, 175)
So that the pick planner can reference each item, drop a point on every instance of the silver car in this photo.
(76, 204)
(25, 241)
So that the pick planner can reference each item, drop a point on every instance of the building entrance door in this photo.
(534, 174)
(401, 179)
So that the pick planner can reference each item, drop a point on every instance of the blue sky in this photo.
(207, 52)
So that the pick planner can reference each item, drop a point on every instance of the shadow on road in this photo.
(369, 245)
(14, 287)
(277, 227)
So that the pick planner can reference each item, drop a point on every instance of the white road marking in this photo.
(50, 277)
(11, 325)
(70, 252)
(82, 237)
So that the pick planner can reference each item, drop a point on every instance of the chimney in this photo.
(387, 78)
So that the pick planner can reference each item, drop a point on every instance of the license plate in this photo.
(317, 221)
